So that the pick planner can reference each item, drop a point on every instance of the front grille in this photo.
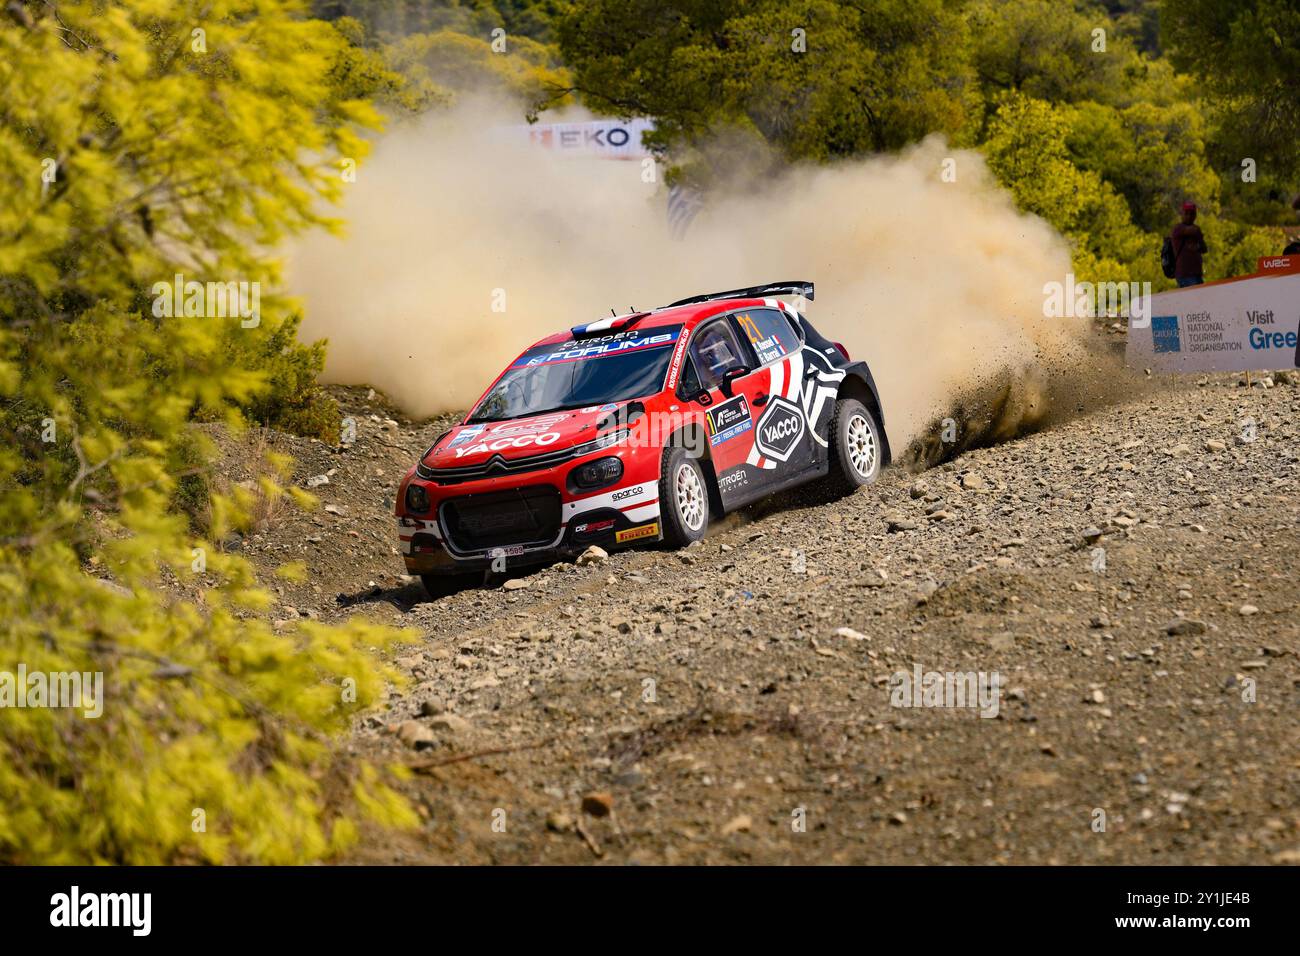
(521, 516)
(494, 466)
(499, 465)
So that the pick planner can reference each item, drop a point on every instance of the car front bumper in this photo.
(491, 526)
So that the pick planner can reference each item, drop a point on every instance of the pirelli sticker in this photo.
(650, 530)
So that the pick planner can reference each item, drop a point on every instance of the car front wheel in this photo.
(683, 498)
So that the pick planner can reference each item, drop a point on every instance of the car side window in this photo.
(690, 384)
(715, 351)
(794, 325)
(768, 332)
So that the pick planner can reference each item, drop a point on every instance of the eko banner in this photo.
(604, 138)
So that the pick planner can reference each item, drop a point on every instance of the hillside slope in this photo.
(1124, 686)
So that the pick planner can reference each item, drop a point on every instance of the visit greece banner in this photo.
(1239, 325)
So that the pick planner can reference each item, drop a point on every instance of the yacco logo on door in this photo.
(780, 429)
(1164, 334)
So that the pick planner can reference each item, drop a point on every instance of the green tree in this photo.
(393, 19)
(1246, 59)
(438, 65)
(814, 79)
(1027, 150)
(1051, 51)
(1153, 156)
(1139, 20)
(1111, 181)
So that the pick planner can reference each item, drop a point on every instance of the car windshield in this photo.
(588, 371)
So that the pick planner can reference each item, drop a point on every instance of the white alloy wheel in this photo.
(861, 446)
(690, 495)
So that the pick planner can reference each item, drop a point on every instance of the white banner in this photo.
(606, 138)
(1234, 325)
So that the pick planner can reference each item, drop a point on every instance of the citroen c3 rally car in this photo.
(640, 428)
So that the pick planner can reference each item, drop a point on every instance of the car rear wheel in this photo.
(854, 446)
(683, 498)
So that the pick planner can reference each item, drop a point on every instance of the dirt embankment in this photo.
(1128, 574)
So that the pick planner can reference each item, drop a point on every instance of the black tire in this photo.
(684, 516)
(855, 447)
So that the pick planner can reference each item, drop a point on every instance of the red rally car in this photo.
(641, 428)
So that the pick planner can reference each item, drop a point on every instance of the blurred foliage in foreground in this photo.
(142, 139)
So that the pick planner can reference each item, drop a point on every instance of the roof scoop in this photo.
(615, 323)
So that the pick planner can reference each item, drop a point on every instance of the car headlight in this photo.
(598, 473)
(417, 499)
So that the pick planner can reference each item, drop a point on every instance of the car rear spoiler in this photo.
(797, 287)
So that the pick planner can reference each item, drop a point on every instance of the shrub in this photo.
(132, 155)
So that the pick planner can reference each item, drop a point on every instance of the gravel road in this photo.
(1126, 577)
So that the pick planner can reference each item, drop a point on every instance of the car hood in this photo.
(517, 437)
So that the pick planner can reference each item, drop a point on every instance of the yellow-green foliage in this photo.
(169, 160)
(437, 63)
(1027, 150)
(1076, 108)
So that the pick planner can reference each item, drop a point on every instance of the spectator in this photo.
(1293, 248)
(1189, 246)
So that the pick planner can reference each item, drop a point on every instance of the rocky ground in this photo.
(1129, 575)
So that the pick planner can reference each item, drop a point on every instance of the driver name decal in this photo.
(766, 347)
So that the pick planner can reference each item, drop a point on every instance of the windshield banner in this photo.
(615, 343)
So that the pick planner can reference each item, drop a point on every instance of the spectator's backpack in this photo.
(1168, 258)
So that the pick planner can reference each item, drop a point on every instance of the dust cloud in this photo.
(938, 285)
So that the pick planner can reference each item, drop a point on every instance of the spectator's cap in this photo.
(1189, 206)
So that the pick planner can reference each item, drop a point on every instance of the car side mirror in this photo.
(730, 376)
(703, 397)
